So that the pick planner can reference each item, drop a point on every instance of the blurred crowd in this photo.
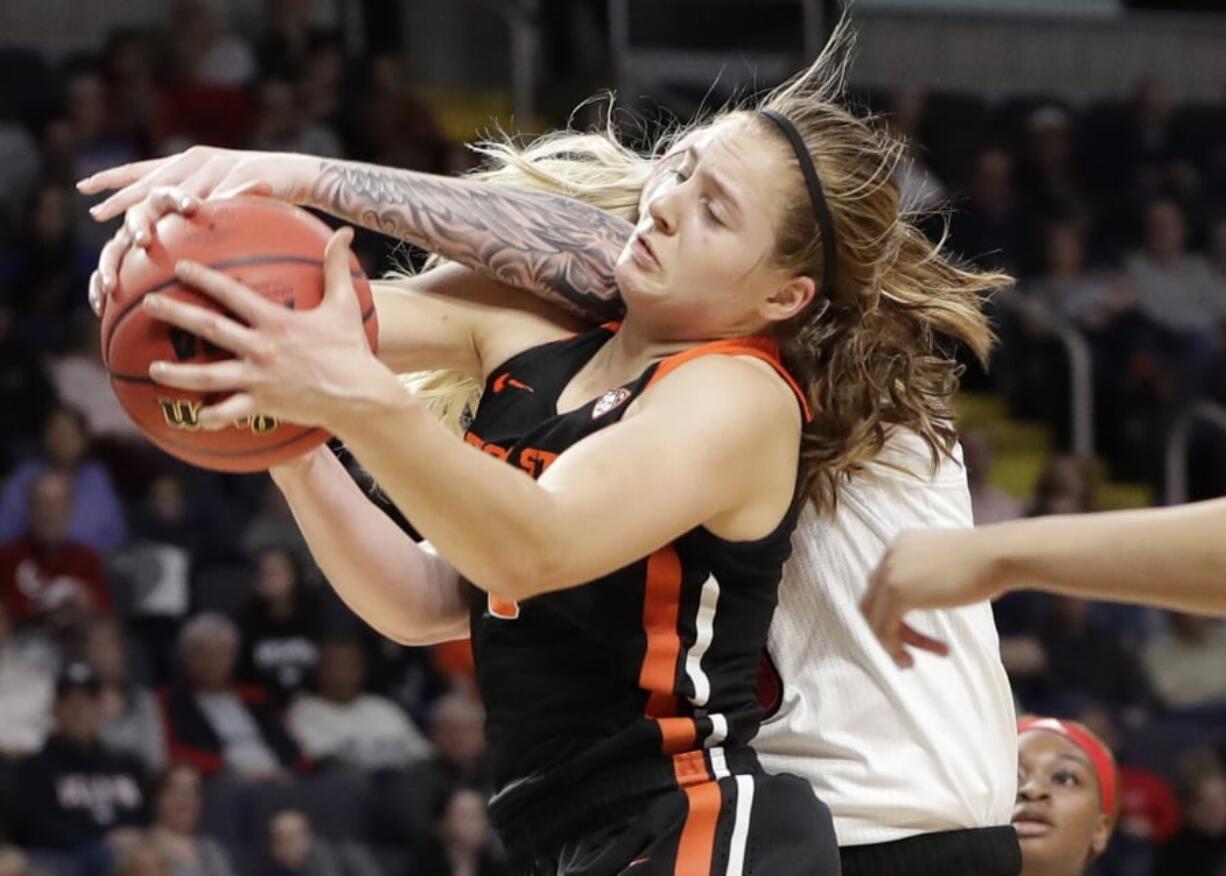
(181, 693)
(1112, 215)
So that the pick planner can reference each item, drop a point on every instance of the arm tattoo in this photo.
(556, 247)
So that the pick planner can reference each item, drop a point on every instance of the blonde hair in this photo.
(880, 354)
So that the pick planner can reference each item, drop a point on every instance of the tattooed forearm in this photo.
(556, 247)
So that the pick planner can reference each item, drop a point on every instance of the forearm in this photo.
(556, 247)
(491, 521)
(1173, 557)
(400, 588)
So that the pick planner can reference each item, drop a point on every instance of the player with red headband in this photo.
(1067, 796)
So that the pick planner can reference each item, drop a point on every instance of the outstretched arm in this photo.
(1170, 557)
(555, 247)
(402, 589)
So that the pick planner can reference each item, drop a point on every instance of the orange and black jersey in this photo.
(641, 680)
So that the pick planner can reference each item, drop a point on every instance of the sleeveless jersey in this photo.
(639, 681)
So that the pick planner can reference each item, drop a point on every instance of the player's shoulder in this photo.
(728, 385)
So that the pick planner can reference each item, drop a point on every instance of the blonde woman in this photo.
(920, 776)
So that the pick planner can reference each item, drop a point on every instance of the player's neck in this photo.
(633, 348)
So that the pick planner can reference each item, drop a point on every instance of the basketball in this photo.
(275, 249)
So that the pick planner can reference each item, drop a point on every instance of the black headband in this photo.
(818, 198)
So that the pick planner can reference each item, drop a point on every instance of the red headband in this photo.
(1095, 749)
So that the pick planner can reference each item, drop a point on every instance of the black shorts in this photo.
(741, 825)
(989, 851)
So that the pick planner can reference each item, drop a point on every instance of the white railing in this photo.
(1080, 363)
(1178, 440)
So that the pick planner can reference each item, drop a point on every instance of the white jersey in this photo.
(892, 752)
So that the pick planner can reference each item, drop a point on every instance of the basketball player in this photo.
(1168, 557)
(919, 771)
(617, 654)
(1067, 797)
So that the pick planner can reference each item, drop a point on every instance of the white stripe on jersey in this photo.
(719, 729)
(704, 626)
(740, 827)
(719, 764)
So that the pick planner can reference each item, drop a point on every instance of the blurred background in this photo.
(180, 693)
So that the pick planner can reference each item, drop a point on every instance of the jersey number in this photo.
(507, 609)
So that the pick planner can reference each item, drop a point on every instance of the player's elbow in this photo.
(529, 570)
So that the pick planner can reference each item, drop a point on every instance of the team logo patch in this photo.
(610, 400)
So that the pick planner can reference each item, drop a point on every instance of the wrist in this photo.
(373, 396)
(1002, 560)
(306, 170)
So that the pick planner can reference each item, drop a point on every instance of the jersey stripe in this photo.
(755, 347)
(719, 764)
(696, 850)
(719, 729)
(661, 607)
(740, 827)
(690, 768)
(677, 734)
(704, 626)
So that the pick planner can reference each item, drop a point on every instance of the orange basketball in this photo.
(274, 248)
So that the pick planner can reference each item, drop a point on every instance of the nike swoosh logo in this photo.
(504, 380)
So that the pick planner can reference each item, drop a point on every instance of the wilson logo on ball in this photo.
(182, 413)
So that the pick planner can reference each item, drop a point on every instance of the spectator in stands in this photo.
(177, 805)
(1186, 661)
(395, 127)
(989, 503)
(132, 721)
(47, 578)
(273, 526)
(1065, 486)
(140, 856)
(280, 625)
(20, 172)
(204, 50)
(25, 390)
(81, 382)
(127, 69)
(462, 843)
(457, 732)
(285, 126)
(1179, 295)
(294, 850)
(97, 518)
(1049, 175)
(1090, 299)
(51, 269)
(77, 790)
(13, 862)
(28, 663)
(212, 722)
(323, 82)
(1199, 848)
(1146, 144)
(1085, 657)
(94, 135)
(919, 186)
(283, 45)
(990, 229)
(1067, 797)
(342, 723)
